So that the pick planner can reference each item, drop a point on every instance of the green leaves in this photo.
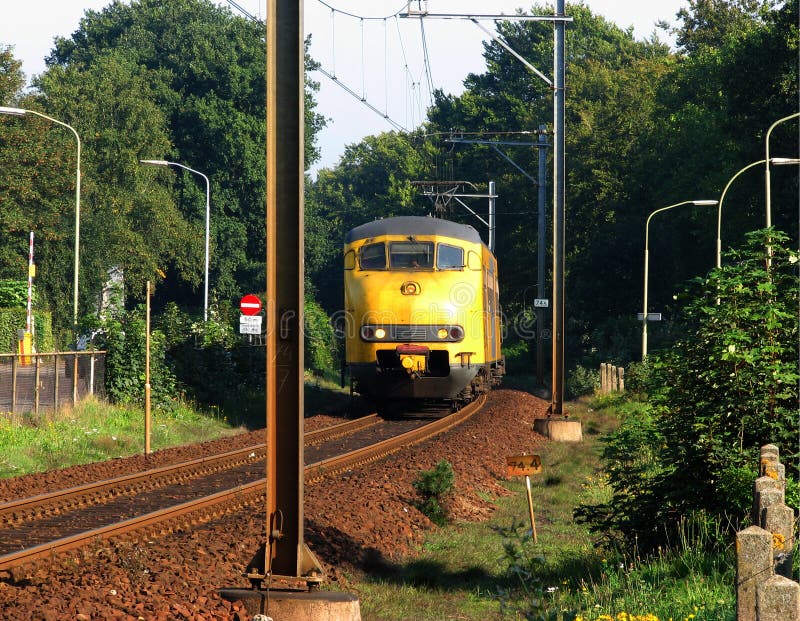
(724, 390)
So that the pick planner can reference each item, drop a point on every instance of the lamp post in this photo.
(208, 218)
(23, 112)
(766, 160)
(647, 263)
(777, 161)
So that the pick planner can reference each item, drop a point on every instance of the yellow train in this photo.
(422, 311)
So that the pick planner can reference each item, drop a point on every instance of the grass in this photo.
(493, 570)
(95, 430)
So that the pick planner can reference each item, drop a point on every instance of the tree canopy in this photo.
(182, 81)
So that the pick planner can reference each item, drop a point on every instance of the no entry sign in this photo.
(250, 305)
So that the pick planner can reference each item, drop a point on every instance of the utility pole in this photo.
(559, 20)
(542, 146)
(559, 187)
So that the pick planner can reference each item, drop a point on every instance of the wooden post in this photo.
(13, 384)
(147, 376)
(36, 377)
(530, 507)
(91, 371)
(55, 382)
(74, 379)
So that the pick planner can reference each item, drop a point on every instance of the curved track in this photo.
(173, 497)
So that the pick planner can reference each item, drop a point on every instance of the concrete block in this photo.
(779, 600)
(559, 429)
(779, 520)
(753, 567)
(760, 485)
(298, 605)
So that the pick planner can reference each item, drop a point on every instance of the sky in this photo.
(379, 61)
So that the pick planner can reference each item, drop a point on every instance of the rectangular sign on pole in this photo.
(526, 465)
(541, 303)
(650, 316)
(523, 465)
(249, 324)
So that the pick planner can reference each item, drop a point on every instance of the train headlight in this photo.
(373, 333)
(442, 333)
(410, 288)
(380, 333)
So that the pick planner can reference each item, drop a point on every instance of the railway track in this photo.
(174, 497)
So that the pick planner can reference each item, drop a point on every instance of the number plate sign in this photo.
(249, 324)
(523, 465)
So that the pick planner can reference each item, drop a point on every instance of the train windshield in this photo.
(450, 257)
(411, 255)
(373, 256)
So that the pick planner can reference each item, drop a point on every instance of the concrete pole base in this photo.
(297, 605)
(559, 429)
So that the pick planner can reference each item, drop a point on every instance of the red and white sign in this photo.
(250, 305)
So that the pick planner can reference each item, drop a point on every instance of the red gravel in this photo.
(352, 522)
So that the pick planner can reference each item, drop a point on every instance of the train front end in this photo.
(419, 325)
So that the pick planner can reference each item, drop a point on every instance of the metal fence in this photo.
(35, 382)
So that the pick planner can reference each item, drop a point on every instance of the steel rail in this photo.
(60, 500)
(242, 495)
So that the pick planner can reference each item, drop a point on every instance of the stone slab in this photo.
(297, 605)
(559, 429)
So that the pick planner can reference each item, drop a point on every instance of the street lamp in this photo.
(767, 161)
(647, 263)
(777, 161)
(208, 217)
(23, 112)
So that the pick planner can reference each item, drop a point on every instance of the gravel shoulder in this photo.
(352, 522)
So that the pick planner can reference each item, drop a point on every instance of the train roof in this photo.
(413, 225)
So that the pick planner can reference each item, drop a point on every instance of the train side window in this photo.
(411, 255)
(350, 260)
(474, 261)
(450, 257)
(373, 256)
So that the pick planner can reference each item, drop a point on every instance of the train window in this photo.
(411, 255)
(450, 258)
(350, 260)
(373, 256)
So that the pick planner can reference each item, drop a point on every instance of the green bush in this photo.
(320, 340)
(123, 336)
(717, 397)
(12, 320)
(14, 294)
(433, 486)
(581, 381)
(639, 378)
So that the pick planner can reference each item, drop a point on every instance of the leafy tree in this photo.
(726, 389)
(125, 220)
(124, 338)
(11, 77)
(372, 180)
(204, 70)
(320, 342)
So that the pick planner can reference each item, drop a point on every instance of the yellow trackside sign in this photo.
(523, 465)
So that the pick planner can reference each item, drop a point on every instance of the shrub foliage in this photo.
(432, 487)
(726, 389)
